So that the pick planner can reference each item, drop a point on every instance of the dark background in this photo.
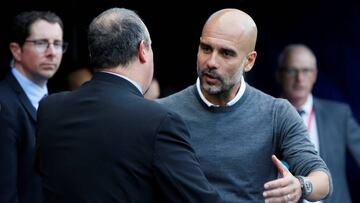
(330, 28)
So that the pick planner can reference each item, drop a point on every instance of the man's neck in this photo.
(297, 103)
(218, 99)
(41, 82)
(223, 98)
(228, 99)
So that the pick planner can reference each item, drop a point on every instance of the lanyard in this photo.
(311, 117)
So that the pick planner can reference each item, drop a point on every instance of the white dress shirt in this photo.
(33, 91)
(309, 118)
(230, 103)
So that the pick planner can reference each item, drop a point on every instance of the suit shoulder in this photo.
(155, 109)
(54, 97)
(331, 104)
(8, 96)
(5, 89)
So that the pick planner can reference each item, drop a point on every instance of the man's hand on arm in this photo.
(286, 188)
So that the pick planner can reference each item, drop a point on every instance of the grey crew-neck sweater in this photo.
(234, 144)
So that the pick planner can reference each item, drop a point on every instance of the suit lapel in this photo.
(320, 116)
(24, 100)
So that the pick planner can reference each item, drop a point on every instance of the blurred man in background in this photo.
(332, 128)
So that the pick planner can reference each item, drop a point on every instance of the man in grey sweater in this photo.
(237, 130)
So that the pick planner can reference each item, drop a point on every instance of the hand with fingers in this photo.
(286, 188)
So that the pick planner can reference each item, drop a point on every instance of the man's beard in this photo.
(225, 85)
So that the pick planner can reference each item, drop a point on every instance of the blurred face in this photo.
(220, 66)
(154, 90)
(298, 76)
(79, 77)
(40, 56)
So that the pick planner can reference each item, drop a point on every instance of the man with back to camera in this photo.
(332, 128)
(105, 142)
(37, 47)
(236, 128)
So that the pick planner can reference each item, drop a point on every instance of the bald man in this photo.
(237, 131)
(332, 128)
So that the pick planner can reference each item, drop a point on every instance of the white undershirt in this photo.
(310, 122)
(230, 103)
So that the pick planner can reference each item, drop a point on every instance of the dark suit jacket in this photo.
(337, 131)
(105, 143)
(18, 181)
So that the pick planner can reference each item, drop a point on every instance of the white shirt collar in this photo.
(126, 78)
(308, 105)
(230, 103)
(33, 91)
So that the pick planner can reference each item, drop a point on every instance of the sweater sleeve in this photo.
(294, 143)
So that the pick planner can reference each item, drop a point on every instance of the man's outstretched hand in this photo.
(286, 188)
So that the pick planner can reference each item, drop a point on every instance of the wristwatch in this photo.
(306, 186)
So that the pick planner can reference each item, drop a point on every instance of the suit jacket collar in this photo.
(116, 80)
(320, 114)
(24, 100)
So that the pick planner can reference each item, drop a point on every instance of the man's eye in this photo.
(227, 53)
(292, 71)
(205, 48)
(41, 43)
(58, 43)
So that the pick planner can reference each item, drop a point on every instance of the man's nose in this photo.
(213, 60)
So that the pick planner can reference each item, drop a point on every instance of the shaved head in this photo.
(226, 51)
(234, 24)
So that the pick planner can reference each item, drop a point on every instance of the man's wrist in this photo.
(306, 186)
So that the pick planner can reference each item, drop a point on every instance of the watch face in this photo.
(307, 187)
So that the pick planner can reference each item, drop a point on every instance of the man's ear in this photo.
(142, 51)
(15, 50)
(250, 61)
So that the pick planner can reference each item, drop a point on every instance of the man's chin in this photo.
(48, 74)
(299, 96)
(211, 89)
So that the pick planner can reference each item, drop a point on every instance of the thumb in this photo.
(280, 166)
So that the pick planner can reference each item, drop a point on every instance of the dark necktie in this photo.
(300, 111)
(43, 97)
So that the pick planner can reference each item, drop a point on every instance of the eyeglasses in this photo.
(42, 45)
(291, 72)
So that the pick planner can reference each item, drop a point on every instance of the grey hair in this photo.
(114, 37)
(287, 51)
